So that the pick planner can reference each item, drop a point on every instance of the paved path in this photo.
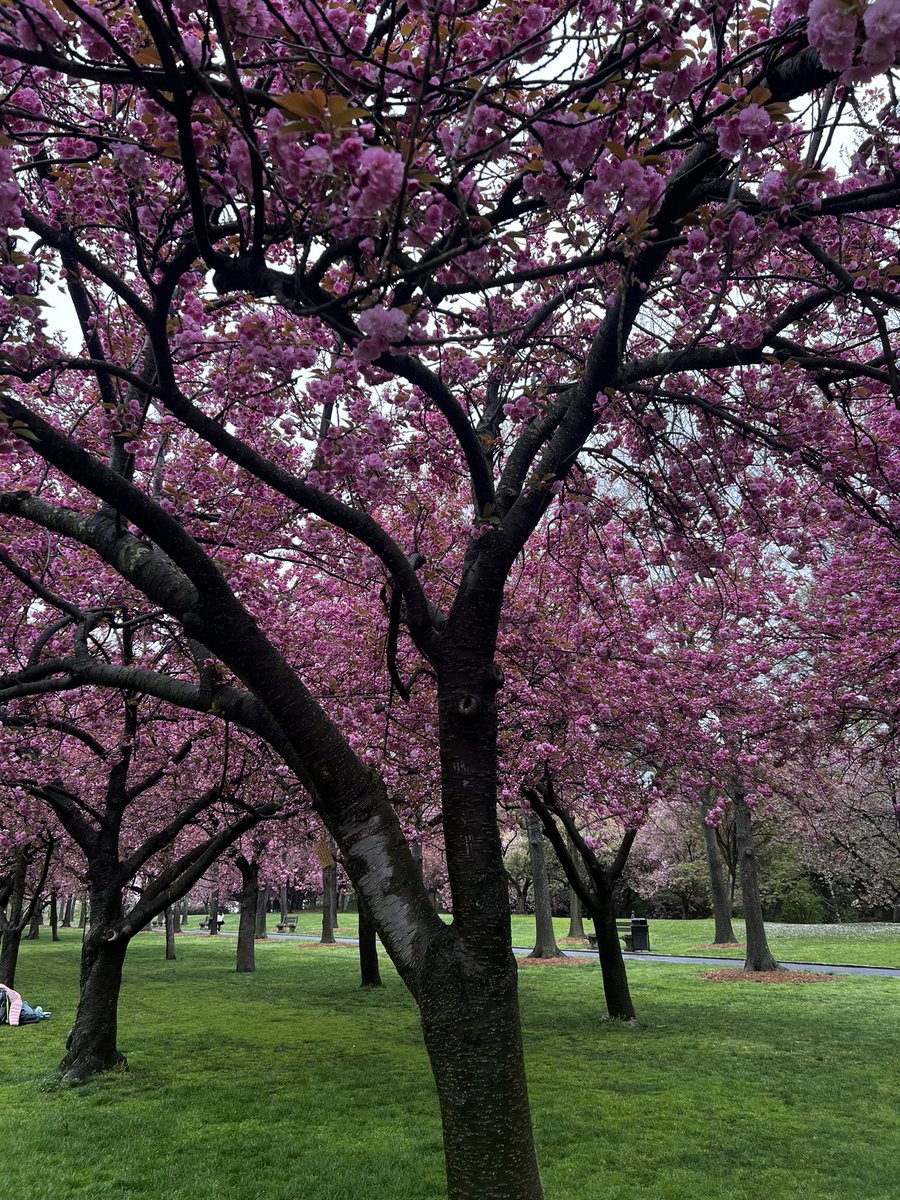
(692, 959)
(686, 959)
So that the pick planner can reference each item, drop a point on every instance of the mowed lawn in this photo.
(868, 945)
(293, 1084)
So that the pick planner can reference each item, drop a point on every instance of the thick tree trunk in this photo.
(470, 1019)
(576, 917)
(328, 914)
(609, 950)
(11, 935)
(214, 914)
(759, 956)
(718, 884)
(169, 918)
(54, 917)
(176, 917)
(34, 925)
(545, 936)
(68, 912)
(10, 941)
(370, 974)
(467, 988)
(91, 1044)
(261, 909)
(415, 849)
(246, 943)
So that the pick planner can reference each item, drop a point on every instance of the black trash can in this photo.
(640, 934)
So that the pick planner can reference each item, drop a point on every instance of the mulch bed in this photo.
(737, 975)
(550, 962)
(721, 946)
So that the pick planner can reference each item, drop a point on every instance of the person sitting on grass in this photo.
(14, 1010)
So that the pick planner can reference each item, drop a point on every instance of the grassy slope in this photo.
(294, 1085)
(868, 945)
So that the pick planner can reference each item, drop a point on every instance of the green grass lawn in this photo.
(293, 1084)
(868, 945)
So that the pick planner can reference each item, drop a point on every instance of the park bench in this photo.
(220, 921)
(634, 930)
(286, 927)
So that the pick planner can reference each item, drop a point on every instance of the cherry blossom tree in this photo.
(127, 801)
(387, 290)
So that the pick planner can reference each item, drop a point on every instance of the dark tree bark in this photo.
(261, 909)
(415, 849)
(169, 918)
(545, 936)
(467, 990)
(596, 889)
(576, 923)
(83, 913)
(246, 943)
(214, 913)
(759, 956)
(370, 974)
(68, 912)
(91, 1045)
(34, 925)
(184, 913)
(54, 917)
(718, 885)
(176, 917)
(16, 915)
(283, 899)
(616, 991)
(328, 915)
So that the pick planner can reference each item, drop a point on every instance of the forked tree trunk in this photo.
(758, 955)
(91, 1044)
(545, 936)
(369, 972)
(246, 943)
(169, 918)
(718, 884)
(328, 914)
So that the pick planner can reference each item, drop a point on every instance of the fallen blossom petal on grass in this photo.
(720, 946)
(738, 975)
(550, 962)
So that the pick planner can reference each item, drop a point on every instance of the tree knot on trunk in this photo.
(469, 707)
